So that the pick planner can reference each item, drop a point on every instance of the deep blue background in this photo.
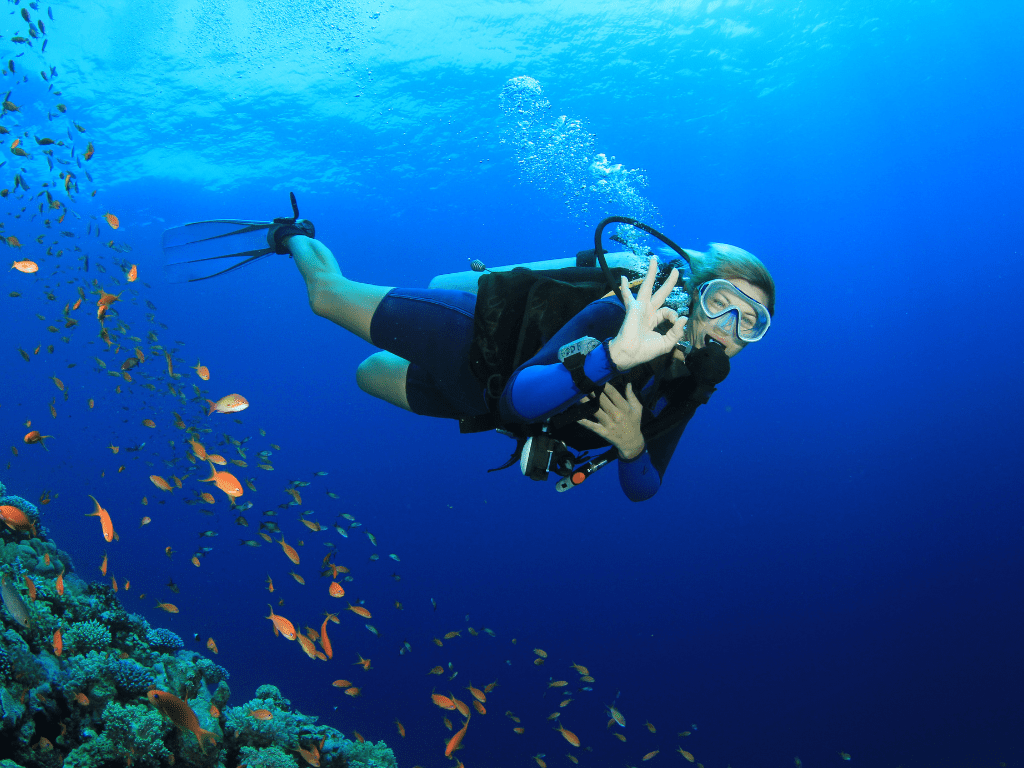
(833, 562)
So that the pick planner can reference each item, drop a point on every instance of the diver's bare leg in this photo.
(383, 375)
(332, 295)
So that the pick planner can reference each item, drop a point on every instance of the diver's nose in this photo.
(727, 323)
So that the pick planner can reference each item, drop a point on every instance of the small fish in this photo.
(111, 219)
(58, 643)
(13, 602)
(35, 437)
(689, 757)
(181, 714)
(160, 483)
(169, 607)
(202, 371)
(228, 404)
(359, 611)
(106, 525)
(649, 755)
(281, 625)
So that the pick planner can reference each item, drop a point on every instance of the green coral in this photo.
(87, 636)
(88, 674)
(266, 757)
(137, 731)
(283, 727)
(366, 754)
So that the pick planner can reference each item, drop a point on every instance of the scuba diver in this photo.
(567, 360)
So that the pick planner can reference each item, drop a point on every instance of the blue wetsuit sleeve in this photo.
(542, 386)
(640, 477)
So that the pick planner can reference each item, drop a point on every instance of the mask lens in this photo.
(720, 297)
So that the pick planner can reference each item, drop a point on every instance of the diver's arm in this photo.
(543, 386)
(641, 477)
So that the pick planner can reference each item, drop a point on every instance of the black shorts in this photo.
(433, 330)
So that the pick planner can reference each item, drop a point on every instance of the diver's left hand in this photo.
(618, 421)
(637, 340)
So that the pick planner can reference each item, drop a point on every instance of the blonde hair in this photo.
(729, 262)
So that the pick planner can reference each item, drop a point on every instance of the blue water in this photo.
(833, 563)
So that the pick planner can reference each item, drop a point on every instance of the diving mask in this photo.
(749, 318)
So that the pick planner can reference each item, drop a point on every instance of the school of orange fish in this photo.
(40, 193)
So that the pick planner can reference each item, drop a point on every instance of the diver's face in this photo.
(721, 329)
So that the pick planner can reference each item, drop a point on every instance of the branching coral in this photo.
(87, 636)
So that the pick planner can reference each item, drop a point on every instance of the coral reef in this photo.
(87, 706)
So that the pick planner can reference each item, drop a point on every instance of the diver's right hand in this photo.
(637, 340)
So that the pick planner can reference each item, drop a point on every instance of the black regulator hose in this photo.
(600, 252)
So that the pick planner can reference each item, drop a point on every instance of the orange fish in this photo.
(211, 645)
(336, 590)
(133, 274)
(103, 565)
(520, 730)
(160, 483)
(35, 437)
(479, 707)
(270, 583)
(281, 625)
(297, 577)
(28, 267)
(568, 735)
(16, 519)
(649, 755)
(180, 713)
(60, 583)
(202, 371)
(438, 670)
(289, 550)
(216, 459)
(228, 404)
(113, 583)
(456, 740)
(149, 423)
(444, 702)
(364, 663)
(312, 525)
(353, 691)
(214, 712)
(341, 683)
(145, 521)
(167, 607)
(358, 610)
(477, 693)
(114, 223)
(198, 449)
(461, 707)
(82, 699)
(307, 645)
(126, 585)
(226, 482)
(325, 642)
(401, 728)
(490, 686)
(207, 497)
(109, 534)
